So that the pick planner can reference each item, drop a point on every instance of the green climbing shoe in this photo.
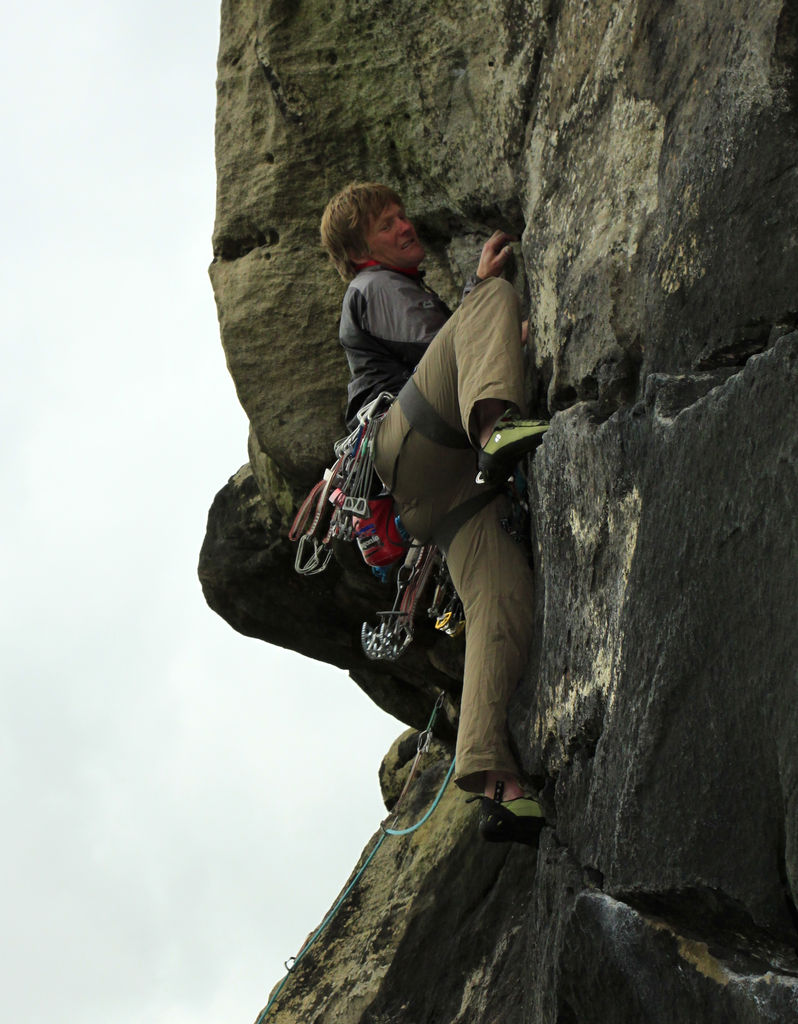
(511, 438)
(516, 821)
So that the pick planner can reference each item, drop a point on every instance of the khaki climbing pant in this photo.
(477, 354)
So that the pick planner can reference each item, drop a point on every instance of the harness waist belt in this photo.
(426, 420)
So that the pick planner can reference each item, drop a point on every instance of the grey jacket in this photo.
(387, 321)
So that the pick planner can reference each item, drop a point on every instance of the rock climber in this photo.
(459, 408)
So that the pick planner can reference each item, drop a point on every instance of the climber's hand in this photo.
(495, 253)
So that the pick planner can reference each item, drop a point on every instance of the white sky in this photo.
(180, 804)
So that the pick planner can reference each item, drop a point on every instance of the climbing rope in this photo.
(422, 747)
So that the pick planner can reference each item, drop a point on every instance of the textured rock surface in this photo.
(646, 153)
(680, 673)
(375, 961)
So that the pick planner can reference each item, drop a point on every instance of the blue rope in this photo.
(385, 833)
(306, 949)
(428, 815)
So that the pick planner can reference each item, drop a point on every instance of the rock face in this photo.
(646, 155)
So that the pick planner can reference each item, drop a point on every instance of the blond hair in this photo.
(346, 220)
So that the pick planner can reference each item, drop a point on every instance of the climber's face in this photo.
(392, 240)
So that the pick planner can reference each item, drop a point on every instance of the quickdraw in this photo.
(446, 608)
(342, 494)
(393, 633)
(313, 554)
(332, 510)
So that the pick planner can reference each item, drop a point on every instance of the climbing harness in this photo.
(426, 419)
(422, 747)
(350, 503)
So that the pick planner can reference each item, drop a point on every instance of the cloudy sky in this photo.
(180, 804)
